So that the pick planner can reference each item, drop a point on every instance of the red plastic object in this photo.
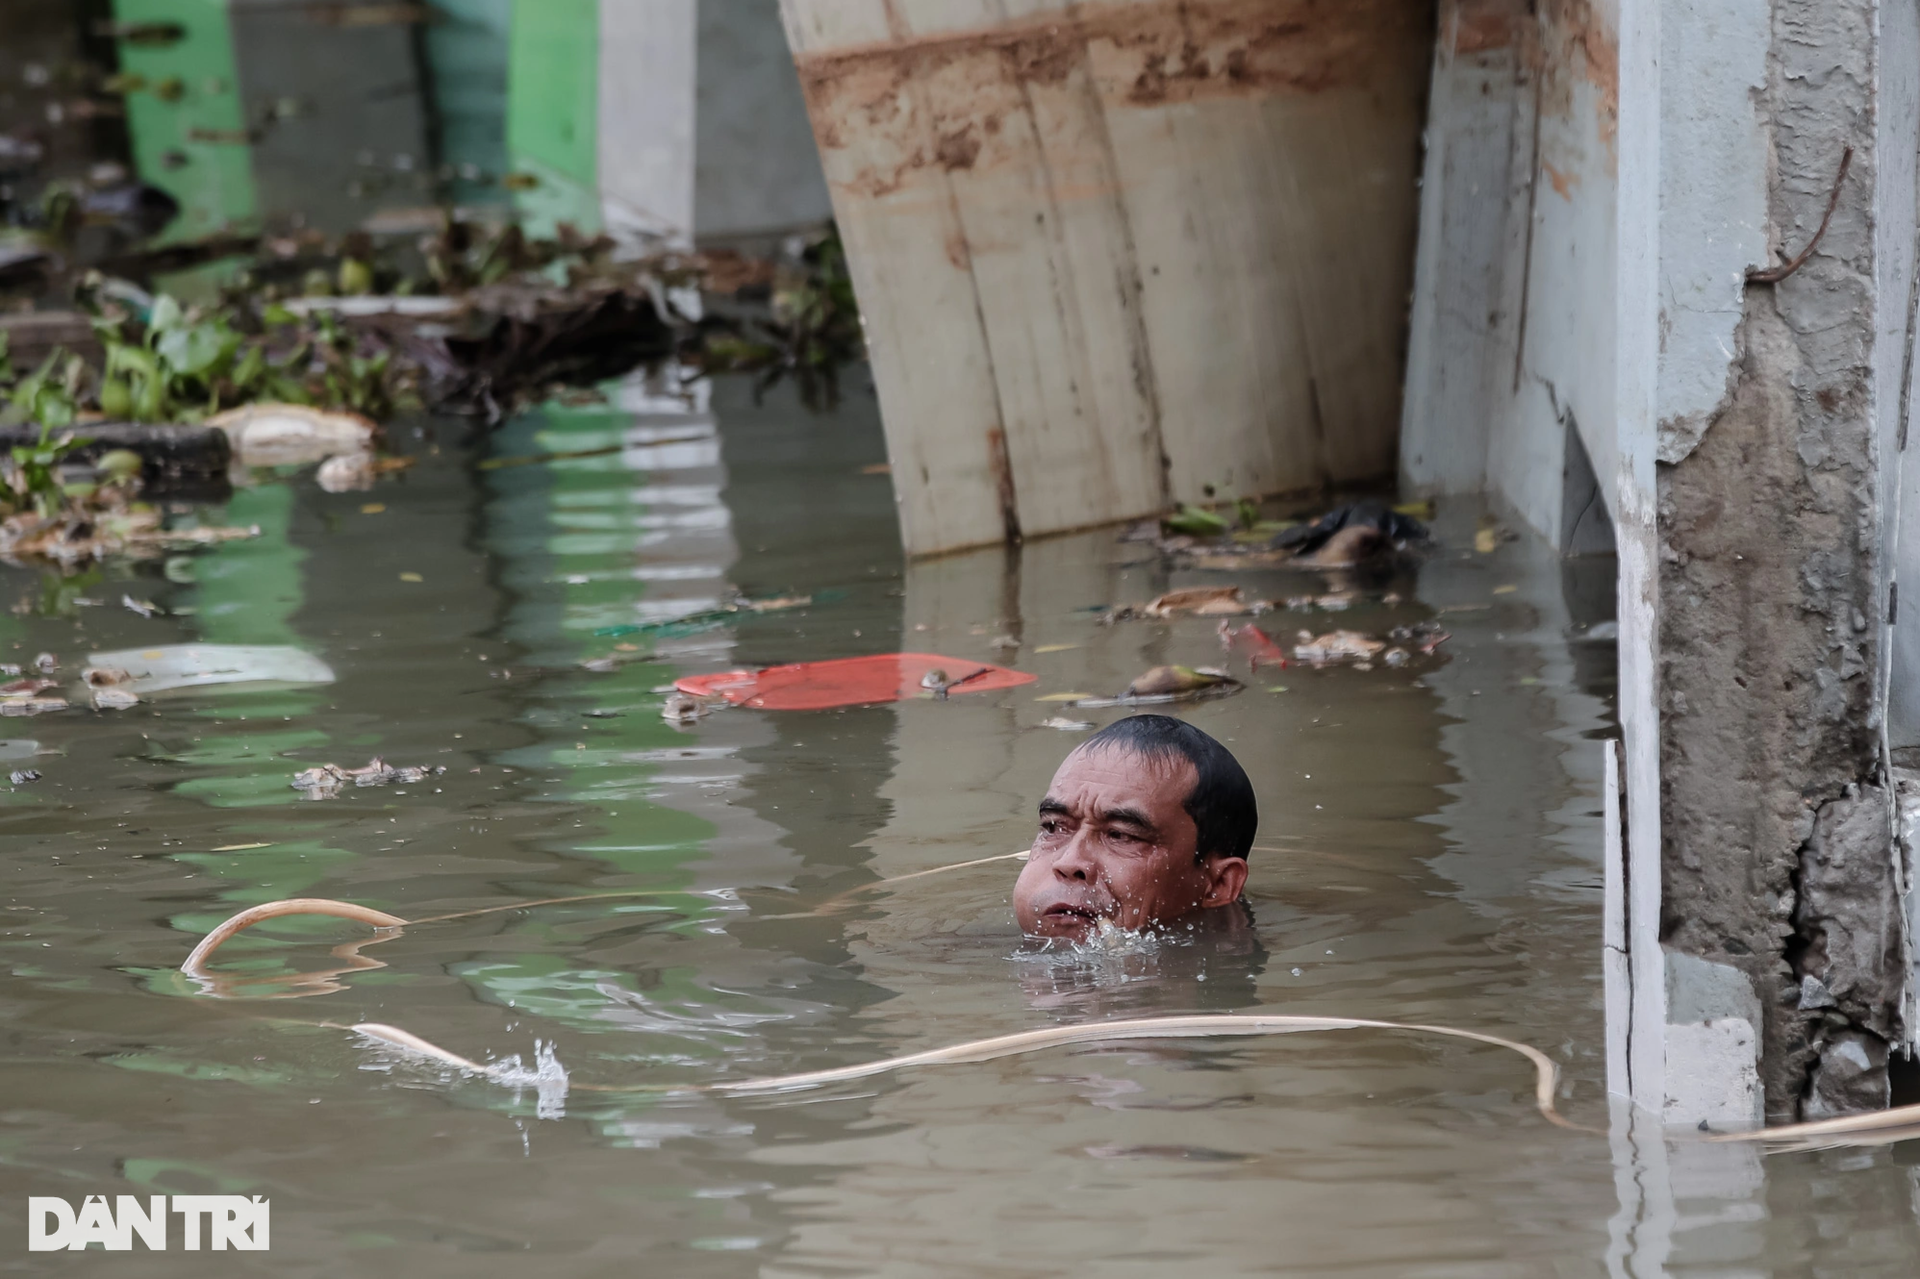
(849, 681)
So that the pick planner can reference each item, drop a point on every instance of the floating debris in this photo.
(114, 699)
(1196, 601)
(31, 705)
(705, 618)
(1350, 534)
(778, 604)
(1260, 648)
(683, 708)
(1194, 522)
(1424, 635)
(171, 666)
(1334, 602)
(347, 473)
(1066, 725)
(1345, 537)
(272, 434)
(145, 608)
(1170, 684)
(327, 780)
(1336, 646)
(939, 683)
(1180, 681)
(1203, 601)
(21, 776)
(31, 696)
(1490, 535)
(850, 681)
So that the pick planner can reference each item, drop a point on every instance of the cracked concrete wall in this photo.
(1776, 820)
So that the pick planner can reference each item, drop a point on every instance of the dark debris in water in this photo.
(327, 780)
(1354, 535)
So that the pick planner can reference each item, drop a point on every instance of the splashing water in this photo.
(1108, 943)
(547, 1077)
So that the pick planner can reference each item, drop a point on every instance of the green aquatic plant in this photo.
(813, 330)
(1195, 522)
(49, 397)
(182, 365)
(32, 473)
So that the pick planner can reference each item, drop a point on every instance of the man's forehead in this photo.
(1118, 769)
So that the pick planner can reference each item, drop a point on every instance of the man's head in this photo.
(1147, 822)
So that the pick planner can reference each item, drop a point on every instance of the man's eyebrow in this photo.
(1127, 817)
(1051, 807)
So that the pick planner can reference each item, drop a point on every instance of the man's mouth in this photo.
(1064, 915)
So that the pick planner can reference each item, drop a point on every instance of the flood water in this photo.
(1429, 852)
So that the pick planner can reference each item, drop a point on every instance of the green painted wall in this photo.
(467, 51)
(553, 106)
(188, 125)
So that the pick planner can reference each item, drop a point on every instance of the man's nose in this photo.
(1075, 861)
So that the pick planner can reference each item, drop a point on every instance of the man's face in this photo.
(1116, 842)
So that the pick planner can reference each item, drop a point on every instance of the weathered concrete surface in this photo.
(1115, 255)
(1713, 1021)
(1907, 791)
(1776, 832)
(1847, 950)
(1714, 206)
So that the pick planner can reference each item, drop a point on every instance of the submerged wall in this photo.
(1511, 355)
(1775, 511)
(1117, 255)
(1601, 181)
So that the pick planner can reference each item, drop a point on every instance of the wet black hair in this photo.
(1221, 802)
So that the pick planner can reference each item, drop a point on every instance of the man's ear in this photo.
(1226, 876)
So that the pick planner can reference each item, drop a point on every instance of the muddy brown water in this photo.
(1429, 851)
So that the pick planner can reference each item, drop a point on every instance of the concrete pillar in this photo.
(1116, 256)
(1650, 155)
(1777, 425)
